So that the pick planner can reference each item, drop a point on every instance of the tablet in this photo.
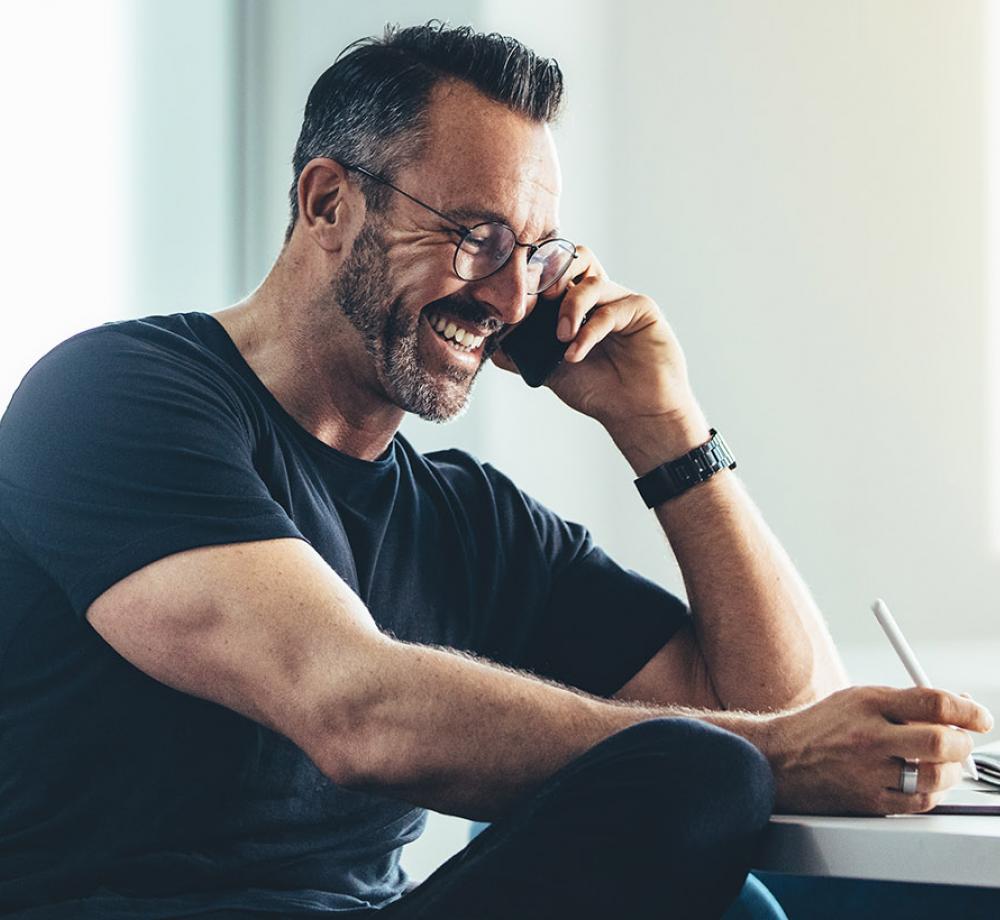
(970, 798)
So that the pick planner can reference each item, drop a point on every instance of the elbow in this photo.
(338, 748)
(814, 681)
(793, 687)
(364, 735)
(342, 723)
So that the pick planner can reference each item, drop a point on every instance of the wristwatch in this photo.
(675, 477)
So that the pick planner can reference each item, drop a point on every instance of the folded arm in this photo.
(270, 631)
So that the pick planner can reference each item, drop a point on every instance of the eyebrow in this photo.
(471, 216)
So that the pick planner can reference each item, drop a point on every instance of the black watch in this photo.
(675, 477)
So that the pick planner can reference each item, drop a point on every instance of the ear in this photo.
(330, 209)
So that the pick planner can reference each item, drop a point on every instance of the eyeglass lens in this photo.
(486, 248)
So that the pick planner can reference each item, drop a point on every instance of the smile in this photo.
(455, 335)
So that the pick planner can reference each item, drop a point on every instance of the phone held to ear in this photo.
(533, 346)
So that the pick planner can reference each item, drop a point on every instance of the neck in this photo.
(313, 361)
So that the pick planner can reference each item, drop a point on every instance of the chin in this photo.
(433, 402)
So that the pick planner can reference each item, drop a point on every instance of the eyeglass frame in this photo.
(465, 231)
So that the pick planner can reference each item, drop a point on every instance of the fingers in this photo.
(931, 777)
(584, 266)
(933, 780)
(936, 743)
(891, 802)
(599, 324)
(591, 311)
(924, 704)
(593, 307)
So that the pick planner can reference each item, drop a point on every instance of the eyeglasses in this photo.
(486, 248)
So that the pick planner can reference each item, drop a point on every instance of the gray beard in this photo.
(364, 291)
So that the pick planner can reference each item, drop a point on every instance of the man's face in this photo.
(398, 287)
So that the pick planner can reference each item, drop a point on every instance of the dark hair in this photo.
(369, 108)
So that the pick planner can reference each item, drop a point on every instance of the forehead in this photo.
(480, 154)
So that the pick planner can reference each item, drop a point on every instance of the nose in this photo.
(506, 291)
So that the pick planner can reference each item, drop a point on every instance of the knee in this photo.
(719, 781)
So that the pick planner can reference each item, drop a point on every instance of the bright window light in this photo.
(992, 256)
(62, 171)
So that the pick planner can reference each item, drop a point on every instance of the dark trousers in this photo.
(657, 821)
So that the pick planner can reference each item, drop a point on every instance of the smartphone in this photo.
(532, 344)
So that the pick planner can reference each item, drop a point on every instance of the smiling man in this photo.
(248, 632)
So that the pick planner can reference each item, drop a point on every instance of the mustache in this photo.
(475, 314)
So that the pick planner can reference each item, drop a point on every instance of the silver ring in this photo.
(908, 777)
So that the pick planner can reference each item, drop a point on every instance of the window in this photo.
(991, 13)
(62, 163)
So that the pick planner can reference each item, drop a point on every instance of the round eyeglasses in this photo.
(486, 248)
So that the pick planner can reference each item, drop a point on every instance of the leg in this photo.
(659, 820)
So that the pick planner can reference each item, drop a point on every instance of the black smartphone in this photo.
(533, 345)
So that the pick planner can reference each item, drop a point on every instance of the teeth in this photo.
(460, 338)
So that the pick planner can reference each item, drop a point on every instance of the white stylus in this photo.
(902, 647)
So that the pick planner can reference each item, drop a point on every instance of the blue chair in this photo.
(755, 903)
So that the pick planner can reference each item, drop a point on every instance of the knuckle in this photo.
(872, 699)
(923, 801)
(645, 303)
(936, 743)
(863, 738)
(935, 704)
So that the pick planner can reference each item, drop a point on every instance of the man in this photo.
(245, 624)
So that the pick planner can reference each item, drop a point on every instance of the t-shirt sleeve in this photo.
(115, 452)
(588, 622)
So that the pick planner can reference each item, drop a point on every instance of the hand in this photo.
(624, 362)
(843, 755)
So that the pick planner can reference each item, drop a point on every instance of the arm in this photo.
(762, 641)
(269, 630)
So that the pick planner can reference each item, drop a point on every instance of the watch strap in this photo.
(675, 477)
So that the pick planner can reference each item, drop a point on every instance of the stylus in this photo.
(917, 673)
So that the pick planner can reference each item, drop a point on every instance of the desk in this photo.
(942, 849)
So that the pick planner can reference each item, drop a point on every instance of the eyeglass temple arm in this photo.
(377, 178)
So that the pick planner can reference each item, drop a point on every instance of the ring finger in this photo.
(931, 777)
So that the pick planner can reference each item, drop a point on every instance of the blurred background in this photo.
(810, 191)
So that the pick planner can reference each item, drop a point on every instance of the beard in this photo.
(365, 293)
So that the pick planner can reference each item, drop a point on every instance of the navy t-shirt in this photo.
(121, 797)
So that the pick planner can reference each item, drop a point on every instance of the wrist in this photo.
(648, 441)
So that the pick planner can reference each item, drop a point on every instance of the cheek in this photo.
(425, 269)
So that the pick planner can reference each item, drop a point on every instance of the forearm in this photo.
(467, 737)
(762, 637)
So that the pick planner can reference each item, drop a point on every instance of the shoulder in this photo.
(104, 390)
(126, 360)
(177, 341)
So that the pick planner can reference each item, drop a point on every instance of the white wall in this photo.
(799, 185)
